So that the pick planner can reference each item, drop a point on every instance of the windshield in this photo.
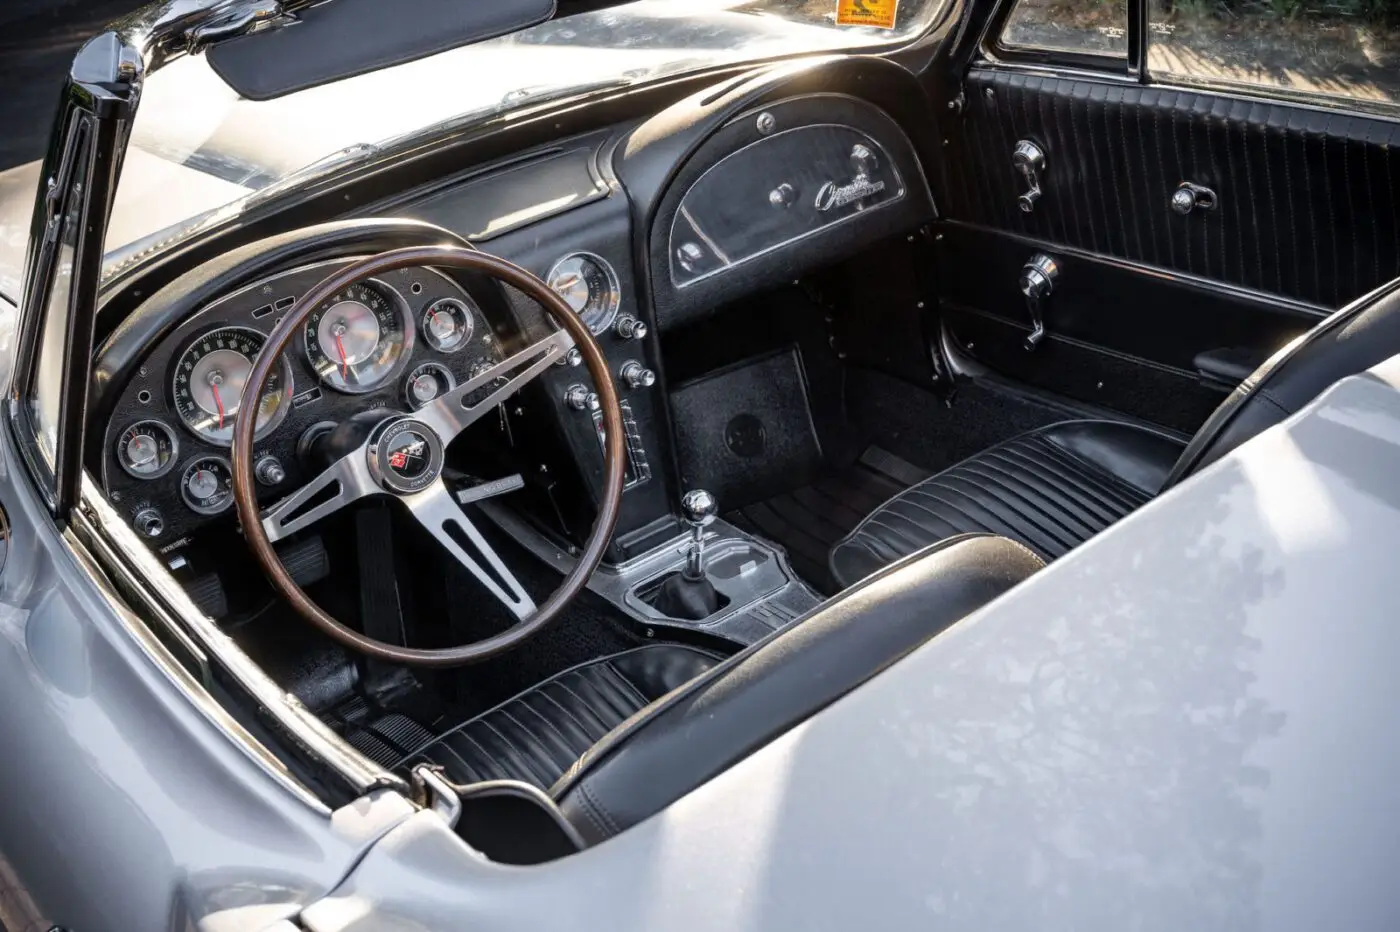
(198, 151)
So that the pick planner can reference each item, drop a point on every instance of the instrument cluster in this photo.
(396, 342)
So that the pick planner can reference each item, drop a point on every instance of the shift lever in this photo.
(689, 593)
(699, 509)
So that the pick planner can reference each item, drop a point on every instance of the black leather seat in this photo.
(1054, 488)
(617, 739)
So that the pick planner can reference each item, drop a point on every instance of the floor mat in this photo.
(745, 432)
(807, 521)
(916, 425)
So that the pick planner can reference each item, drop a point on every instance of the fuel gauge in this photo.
(207, 485)
(147, 449)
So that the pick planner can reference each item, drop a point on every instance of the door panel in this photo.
(1308, 218)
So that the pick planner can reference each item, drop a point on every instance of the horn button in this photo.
(405, 456)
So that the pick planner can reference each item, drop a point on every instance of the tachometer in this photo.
(588, 285)
(356, 339)
(209, 379)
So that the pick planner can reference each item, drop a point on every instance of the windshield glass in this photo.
(198, 150)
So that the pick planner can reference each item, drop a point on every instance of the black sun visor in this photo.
(342, 38)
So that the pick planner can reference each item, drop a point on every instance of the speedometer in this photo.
(209, 379)
(589, 286)
(357, 338)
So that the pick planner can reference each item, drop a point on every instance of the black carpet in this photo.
(914, 424)
(807, 521)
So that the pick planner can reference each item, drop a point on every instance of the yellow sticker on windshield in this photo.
(866, 13)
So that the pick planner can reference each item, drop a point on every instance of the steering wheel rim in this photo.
(245, 487)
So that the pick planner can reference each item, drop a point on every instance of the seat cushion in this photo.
(1051, 489)
(537, 735)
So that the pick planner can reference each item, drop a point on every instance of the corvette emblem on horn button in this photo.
(405, 456)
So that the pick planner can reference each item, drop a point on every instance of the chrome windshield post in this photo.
(63, 266)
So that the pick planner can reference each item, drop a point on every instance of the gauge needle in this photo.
(214, 387)
(564, 284)
(344, 363)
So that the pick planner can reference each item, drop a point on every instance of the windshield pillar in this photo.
(63, 265)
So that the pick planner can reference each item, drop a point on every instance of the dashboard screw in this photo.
(766, 123)
(989, 94)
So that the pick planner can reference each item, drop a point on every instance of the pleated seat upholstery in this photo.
(538, 734)
(1050, 489)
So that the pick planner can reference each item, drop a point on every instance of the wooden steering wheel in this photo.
(402, 457)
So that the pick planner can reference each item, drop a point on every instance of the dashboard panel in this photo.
(642, 228)
(396, 341)
(787, 186)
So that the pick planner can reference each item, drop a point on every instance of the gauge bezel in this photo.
(408, 398)
(184, 491)
(410, 334)
(469, 311)
(288, 387)
(614, 287)
(174, 449)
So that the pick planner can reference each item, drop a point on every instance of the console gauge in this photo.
(209, 379)
(147, 449)
(448, 325)
(427, 382)
(356, 339)
(207, 485)
(589, 286)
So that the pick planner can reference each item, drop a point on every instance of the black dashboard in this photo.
(642, 227)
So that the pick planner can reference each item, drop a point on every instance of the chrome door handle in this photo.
(1038, 277)
(1029, 159)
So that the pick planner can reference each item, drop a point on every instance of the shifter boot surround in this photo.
(684, 596)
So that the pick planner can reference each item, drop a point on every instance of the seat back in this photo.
(702, 728)
(1352, 340)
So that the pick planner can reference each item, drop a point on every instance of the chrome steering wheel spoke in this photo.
(452, 413)
(346, 480)
(444, 519)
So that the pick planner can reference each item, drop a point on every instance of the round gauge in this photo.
(355, 340)
(147, 449)
(588, 285)
(447, 325)
(209, 379)
(425, 383)
(207, 485)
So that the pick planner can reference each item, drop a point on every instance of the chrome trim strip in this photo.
(130, 556)
(1303, 308)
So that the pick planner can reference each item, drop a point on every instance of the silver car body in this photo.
(1185, 723)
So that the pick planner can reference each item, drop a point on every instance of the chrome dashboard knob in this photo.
(578, 397)
(636, 375)
(629, 328)
(149, 523)
(269, 471)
